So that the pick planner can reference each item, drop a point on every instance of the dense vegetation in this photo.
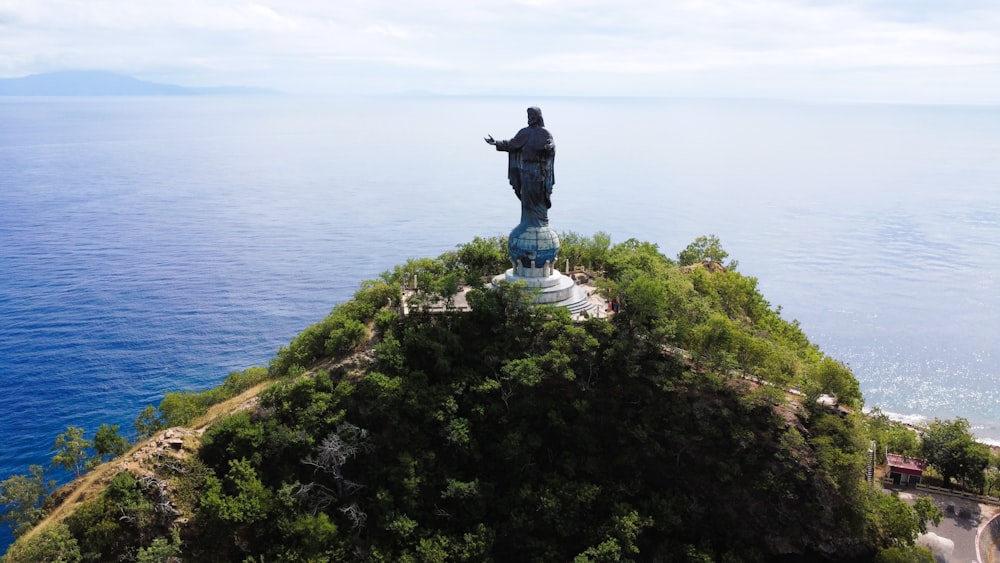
(685, 428)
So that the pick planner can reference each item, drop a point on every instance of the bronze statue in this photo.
(533, 245)
(531, 154)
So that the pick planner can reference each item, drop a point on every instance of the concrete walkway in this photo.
(461, 303)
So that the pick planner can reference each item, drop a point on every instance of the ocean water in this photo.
(156, 244)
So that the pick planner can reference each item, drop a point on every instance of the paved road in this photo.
(962, 518)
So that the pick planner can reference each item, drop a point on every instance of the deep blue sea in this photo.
(156, 244)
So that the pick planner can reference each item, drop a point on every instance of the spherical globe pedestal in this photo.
(533, 250)
(533, 253)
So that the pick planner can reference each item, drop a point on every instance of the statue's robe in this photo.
(531, 171)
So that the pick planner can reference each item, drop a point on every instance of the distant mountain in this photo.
(103, 83)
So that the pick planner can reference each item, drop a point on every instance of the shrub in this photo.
(54, 544)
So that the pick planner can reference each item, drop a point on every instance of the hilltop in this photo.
(509, 432)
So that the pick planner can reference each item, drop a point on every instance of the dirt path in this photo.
(71, 495)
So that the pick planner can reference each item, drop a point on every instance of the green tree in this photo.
(644, 305)
(377, 294)
(481, 258)
(631, 257)
(833, 377)
(54, 544)
(906, 554)
(926, 511)
(239, 498)
(891, 435)
(71, 450)
(239, 381)
(21, 498)
(179, 408)
(109, 525)
(992, 475)
(595, 250)
(892, 522)
(715, 341)
(703, 248)
(310, 538)
(512, 433)
(148, 422)
(344, 336)
(421, 271)
(107, 442)
(950, 447)
(589, 252)
(161, 550)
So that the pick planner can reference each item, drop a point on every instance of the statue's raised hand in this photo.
(490, 140)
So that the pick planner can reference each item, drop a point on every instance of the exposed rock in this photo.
(710, 265)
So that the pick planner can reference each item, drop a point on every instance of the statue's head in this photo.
(535, 117)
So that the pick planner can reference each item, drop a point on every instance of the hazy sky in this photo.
(885, 50)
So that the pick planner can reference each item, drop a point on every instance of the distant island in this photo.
(104, 83)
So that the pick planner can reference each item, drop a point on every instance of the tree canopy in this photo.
(71, 450)
(707, 247)
(512, 432)
(950, 447)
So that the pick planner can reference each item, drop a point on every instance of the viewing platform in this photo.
(576, 293)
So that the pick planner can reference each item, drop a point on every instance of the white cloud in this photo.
(703, 47)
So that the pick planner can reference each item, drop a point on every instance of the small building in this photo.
(905, 470)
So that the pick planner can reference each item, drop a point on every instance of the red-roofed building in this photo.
(905, 470)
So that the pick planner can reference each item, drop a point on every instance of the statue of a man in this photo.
(531, 154)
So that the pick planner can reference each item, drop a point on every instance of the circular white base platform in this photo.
(554, 289)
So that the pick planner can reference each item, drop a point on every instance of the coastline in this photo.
(914, 421)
